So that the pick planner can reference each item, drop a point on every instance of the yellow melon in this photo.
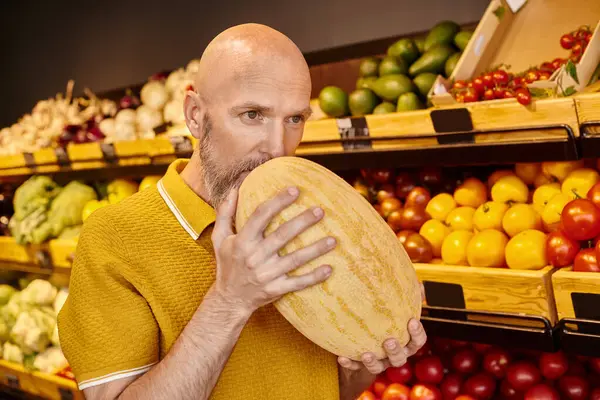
(373, 290)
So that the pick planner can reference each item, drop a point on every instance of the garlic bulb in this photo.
(107, 126)
(154, 95)
(148, 118)
(126, 116)
(174, 112)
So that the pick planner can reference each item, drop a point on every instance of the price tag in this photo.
(12, 381)
(108, 152)
(585, 305)
(29, 160)
(62, 158)
(182, 145)
(65, 394)
(441, 294)
(453, 125)
(351, 129)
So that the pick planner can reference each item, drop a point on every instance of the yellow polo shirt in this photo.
(141, 270)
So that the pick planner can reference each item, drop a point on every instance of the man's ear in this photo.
(194, 109)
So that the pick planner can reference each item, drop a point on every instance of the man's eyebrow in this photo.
(307, 112)
(251, 105)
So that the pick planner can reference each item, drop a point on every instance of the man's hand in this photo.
(250, 272)
(396, 355)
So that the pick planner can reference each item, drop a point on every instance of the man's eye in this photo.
(296, 119)
(252, 114)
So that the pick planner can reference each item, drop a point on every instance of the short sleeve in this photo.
(106, 328)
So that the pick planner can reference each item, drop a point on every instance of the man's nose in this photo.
(276, 144)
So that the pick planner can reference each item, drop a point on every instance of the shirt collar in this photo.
(193, 213)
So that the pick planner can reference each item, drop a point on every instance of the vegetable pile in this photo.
(28, 329)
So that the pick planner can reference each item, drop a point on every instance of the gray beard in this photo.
(217, 180)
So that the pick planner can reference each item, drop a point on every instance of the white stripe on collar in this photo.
(188, 228)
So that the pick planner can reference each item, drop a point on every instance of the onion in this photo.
(154, 95)
(107, 126)
(192, 68)
(174, 80)
(148, 118)
(126, 116)
(123, 131)
(174, 112)
(108, 107)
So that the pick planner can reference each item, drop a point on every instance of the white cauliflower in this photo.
(13, 353)
(50, 361)
(33, 330)
(40, 292)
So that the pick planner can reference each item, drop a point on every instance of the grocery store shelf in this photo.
(498, 328)
(37, 384)
(588, 113)
(580, 336)
(55, 256)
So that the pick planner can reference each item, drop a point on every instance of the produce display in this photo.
(501, 83)
(28, 329)
(377, 272)
(400, 80)
(453, 370)
(43, 210)
(526, 217)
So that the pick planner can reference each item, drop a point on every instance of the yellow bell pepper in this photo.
(120, 189)
(149, 181)
(92, 206)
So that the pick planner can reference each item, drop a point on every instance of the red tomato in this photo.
(413, 217)
(508, 392)
(459, 85)
(379, 385)
(595, 395)
(588, 37)
(429, 370)
(545, 75)
(508, 94)
(442, 345)
(451, 386)
(471, 95)
(496, 362)
(465, 361)
(523, 375)
(500, 77)
(430, 177)
(479, 85)
(401, 374)
(465, 397)
(541, 392)
(423, 351)
(594, 194)
(516, 82)
(595, 364)
(574, 387)
(488, 80)
(481, 386)
(547, 66)
(418, 197)
(489, 94)
(577, 49)
(576, 368)
(459, 344)
(366, 395)
(385, 192)
(381, 175)
(460, 97)
(482, 348)
(581, 219)
(553, 365)
(560, 249)
(586, 260)
(389, 205)
(532, 76)
(567, 41)
(523, 96)
(396, 391)
(558, 62)
(425, 392)
(404, 187)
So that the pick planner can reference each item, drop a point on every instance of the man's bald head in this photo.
(244, 52)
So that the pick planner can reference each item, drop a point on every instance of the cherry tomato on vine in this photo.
(500, 77)
(479, 85)
(499, 93)
(459, 85)
(532, 76)
(471, 95)
(567, 41)
(545, 75)
(547, 66)
(581, 219)
(558, 62)
(560, 249)
(516, 82)
(509, 94)
(577, 49)
(488, 80)
(582, 33)
(489, 94)
(523, 96)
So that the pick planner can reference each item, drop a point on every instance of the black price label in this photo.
(65, 394)
(44, 260)
(12, 381)
(182, 145)
(108, 152)
(585, 305)
(29, 160)
(351, 129)
(453, 126)
(62, 157)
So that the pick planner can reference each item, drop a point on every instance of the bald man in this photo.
(166, 300)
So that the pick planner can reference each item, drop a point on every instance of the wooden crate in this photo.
(62, 252)
(490, 289)
(40, 384)
(577, 294)
(10, 251)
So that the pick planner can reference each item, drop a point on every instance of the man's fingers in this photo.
(418, 337)
(296, 259)
(373, 365)
(264, 213)
(295, 283)
(225, 215)
(349, 364)
(423, 297)
(289, 230)
(396, 354)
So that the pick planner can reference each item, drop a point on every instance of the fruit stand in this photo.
(487, 173)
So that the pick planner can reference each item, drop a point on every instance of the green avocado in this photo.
(420, 43)
(461, 40)
(365, 82)
(362, 102)
(333, 101)
(405, 49)
(390, 87)
(392, 65)
(451, 64)
(434, 60)
(442, 33)
(408, 102)
(385, 108)
(424, 82)
(368, 66)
